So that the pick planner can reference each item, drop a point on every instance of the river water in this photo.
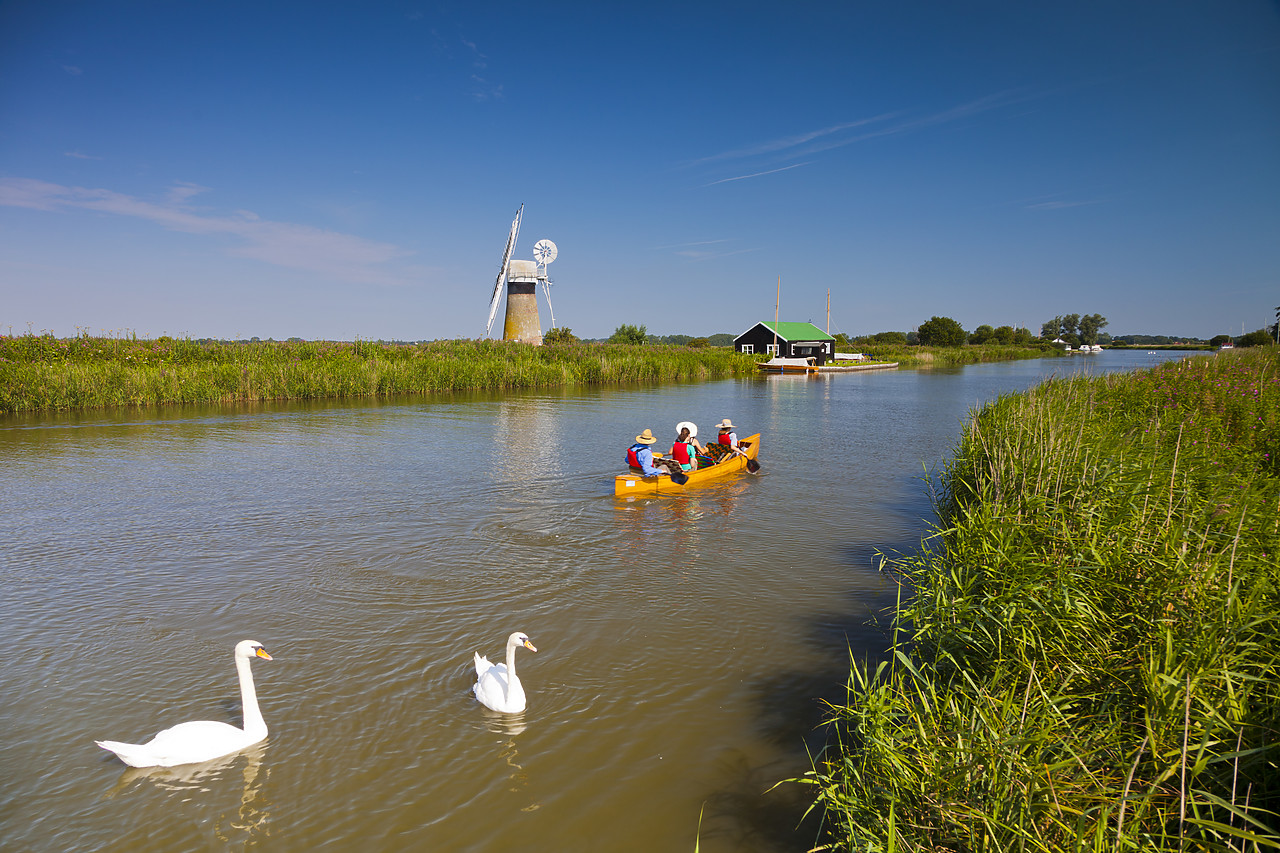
(372, 547)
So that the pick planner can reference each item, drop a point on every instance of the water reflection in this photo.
(509, 725)
(527, 439)
(204, 782)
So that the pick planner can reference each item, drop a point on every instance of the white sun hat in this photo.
(693, 428)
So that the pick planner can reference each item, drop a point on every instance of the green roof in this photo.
(797, 331)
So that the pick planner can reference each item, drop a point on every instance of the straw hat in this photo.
(646, 437)
(727, 424)
(693, 428)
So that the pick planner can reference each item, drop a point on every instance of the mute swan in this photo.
(202, 740)
(497, 685)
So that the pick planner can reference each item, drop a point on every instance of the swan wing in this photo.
(497, 692)
(188, 743)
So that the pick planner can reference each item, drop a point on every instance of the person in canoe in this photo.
(727, 434)
(640, 456)
(687, 447)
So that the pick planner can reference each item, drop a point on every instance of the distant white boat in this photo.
(790, 365)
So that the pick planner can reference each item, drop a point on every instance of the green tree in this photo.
(1021, 335)
(1052, 328)
(982, 335)
(1069, 324)
(1003, 335)
(697, 343)
(1260, 338)
(560, 335)
(942, 332)
(1219, 340)
(628, 334)
(1090, 325)
(899, 338)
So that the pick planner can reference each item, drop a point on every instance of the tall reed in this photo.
(41, 372)
(920, 356)
(1087, 656)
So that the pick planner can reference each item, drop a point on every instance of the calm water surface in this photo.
(372, 547)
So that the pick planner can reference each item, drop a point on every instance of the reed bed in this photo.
(41, 372)
(920, 356)
(1087, 652)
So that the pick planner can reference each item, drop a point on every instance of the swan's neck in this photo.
(253, 722)
(511, 665)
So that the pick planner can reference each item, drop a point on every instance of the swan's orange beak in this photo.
(528, 645)
(262, 653)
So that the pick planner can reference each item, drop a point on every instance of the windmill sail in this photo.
(502, 273)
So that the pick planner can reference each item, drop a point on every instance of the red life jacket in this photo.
(631, 455)
(680, 450)
(725, 438)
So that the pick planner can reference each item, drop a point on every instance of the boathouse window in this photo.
(748, 348)
(771, 349)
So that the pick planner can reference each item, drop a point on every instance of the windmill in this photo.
(522, 278)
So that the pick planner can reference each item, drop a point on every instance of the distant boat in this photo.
(777, 364)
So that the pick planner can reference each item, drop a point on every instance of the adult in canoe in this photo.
(640, 454)
(686, 448)
(727, 434)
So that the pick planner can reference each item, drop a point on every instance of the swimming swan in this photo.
(497, 685)
(203, 740)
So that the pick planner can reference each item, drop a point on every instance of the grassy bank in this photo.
(41, 372)
(1087, 657)
(918, 356)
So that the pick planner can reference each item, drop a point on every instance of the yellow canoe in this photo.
(635, 484)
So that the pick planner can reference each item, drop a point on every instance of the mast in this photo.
(828, 310)
(776, 302)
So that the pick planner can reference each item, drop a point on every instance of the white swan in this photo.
(497, 685)
(202, 740)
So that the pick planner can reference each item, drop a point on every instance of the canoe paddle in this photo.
(752, 465)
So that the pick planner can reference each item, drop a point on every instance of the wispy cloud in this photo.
(785, 143)
(699, 250)
(285, 244)
(80, 156)
(810, 143)
(1059, 205)
(755, 174)
(483, 88)
(73, 70)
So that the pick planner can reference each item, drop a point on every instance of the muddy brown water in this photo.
(372, 547)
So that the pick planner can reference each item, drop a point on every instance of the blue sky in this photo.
(339, 170)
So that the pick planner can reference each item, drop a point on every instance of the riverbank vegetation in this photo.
(947, 356)
(1087, 654)
(41, 372)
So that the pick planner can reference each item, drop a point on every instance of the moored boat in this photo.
(636, 484)
(778, 364)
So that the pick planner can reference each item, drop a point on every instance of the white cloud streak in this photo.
(755, 174)
(813, 142)
(301, 247)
